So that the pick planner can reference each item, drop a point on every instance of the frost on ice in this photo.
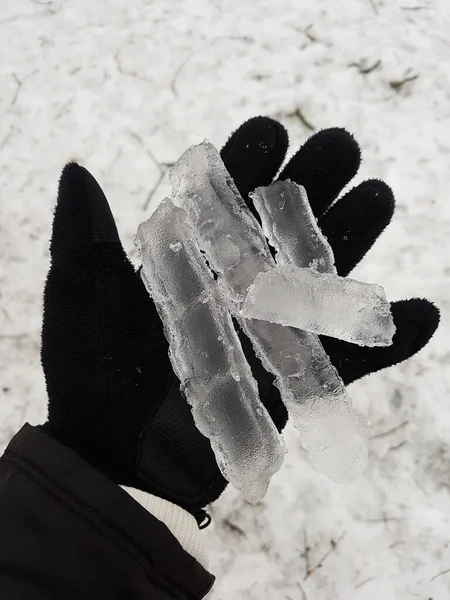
(206, 354)
(322, 303)
(333, 433)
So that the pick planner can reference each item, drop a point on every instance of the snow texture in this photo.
(88, 80)
(206, 354)
(321, 303)
(332, 432)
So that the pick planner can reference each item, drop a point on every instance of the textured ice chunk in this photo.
(237, 251)
(322, 303)
(226, 230)
(315, 397)
(336, 434)
(291, 227)
(206, 354)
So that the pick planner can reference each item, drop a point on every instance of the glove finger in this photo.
(416, 321)
(88, 258)
(355, 221)
(82, 218)
(254, 153)
(324, 165)
(100, 326)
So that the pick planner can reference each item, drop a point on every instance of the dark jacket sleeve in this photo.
(68, 532)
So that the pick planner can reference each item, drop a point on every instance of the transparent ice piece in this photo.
(206, 354)
(323, 303)
(237, 251)
(291, 227)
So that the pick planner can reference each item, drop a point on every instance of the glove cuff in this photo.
(180, 523)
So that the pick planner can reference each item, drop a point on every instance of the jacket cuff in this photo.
(179, 522)
(102, 518)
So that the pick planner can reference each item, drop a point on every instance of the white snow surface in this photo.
(125, 87)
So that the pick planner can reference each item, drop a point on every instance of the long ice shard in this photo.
(291, 227)
(332, 432)
(322, 303)
(206, 354)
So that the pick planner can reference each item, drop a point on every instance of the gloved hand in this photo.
(113, 397)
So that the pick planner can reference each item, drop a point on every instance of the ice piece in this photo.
(227, 232)
(206, 354)
(323, 303)
(237, 251)
(291, 227)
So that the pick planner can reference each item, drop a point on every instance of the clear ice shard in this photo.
(206, 354)
(332, 432)
(291, 227)
(323, 303)
(327, 305)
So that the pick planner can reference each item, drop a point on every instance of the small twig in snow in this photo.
(173, 83)
(303, 593)
(63, 110)
(49, 12)
(397, 86)
(123, 71)
(319, 564)
(154, 189)
(364, 70)
(398, 446)
(439, 574)
(5, 312)
(7, 138)
(364, 582)
(162, 168)
(297, 114)
(384, 519)
(234, 528)
(374, 6)
(19, 83)
(395, 544)
(414, 8)
(306, 552)
(309, 35)
(389, 431)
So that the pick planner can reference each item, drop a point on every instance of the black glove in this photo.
(113, 397)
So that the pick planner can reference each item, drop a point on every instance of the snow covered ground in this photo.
(125, 87)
